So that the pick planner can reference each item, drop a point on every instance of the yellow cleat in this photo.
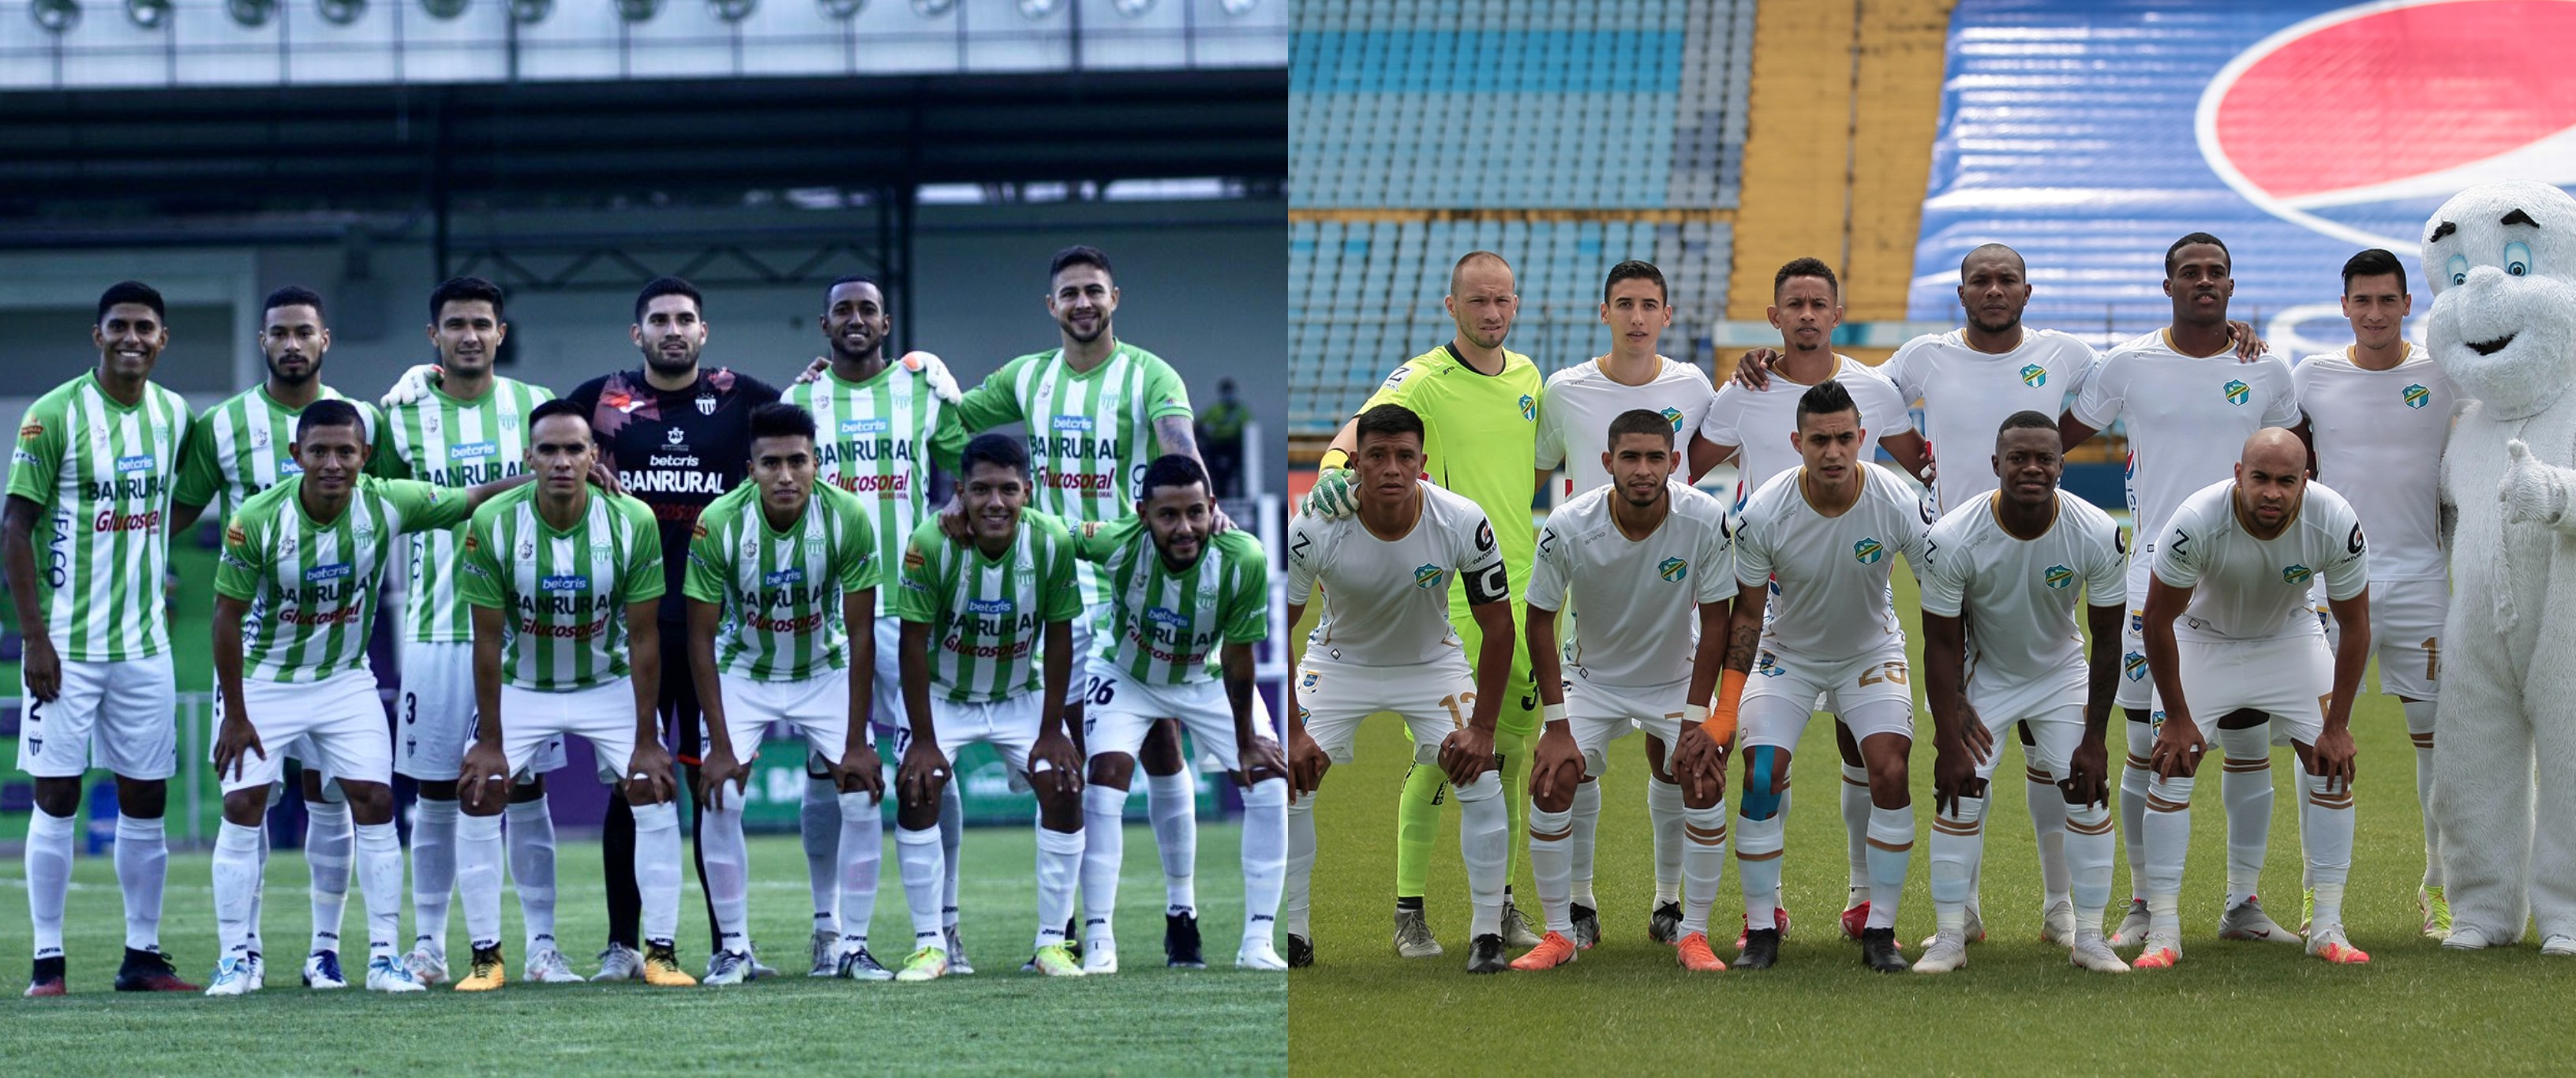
(489, 972)
(1553, 950)
(1695, 955)
(662, 968)
(1055, 961)
(2437, 912)
(926, 964)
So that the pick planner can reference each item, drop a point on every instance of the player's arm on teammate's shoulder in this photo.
(2249, 345)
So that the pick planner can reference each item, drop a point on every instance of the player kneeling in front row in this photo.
(1000, 608)
(1184, 608)
(1385, 643)
(1636, 557)
(2234, 567)
(2002, 647)
(781, 584)
(563, 582)
(295, 600)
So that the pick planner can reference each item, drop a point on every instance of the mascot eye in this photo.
(2458, 269)
(2517, 258)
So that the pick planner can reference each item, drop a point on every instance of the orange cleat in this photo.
(1695, 955)
(2329, 944)
(1553, 950)
(2156, 956)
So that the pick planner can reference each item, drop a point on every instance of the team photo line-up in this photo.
(2293, 521)
(664, 562)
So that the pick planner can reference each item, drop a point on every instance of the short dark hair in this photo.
(668, 286)
(779, 419)
(1080, 254)
(329, 412)
(464, 290)
(294, 295)
(1641, 421)
(854, 278)
(554, 407)
(2196, 237)
(1635, 270)
(1826, 398)
(998, 449)
(1807, 267)
(1171, 470)
(1388, 420)
(2372, 263)
(133, 292)
(2026, 419)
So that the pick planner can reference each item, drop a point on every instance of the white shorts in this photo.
(122, 716)
(534, 723)
(1599, 714)
(2406, 632)
(2054, 733)
(1009, 725)
(339, 723)
(2288, 679)
(1433, 698)
(435, 714)
(1870, 694)
(2136, 689)
(1122, 710)
(818, 707)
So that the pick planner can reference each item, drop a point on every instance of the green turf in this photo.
(1145, 1020)
(1625, 1007)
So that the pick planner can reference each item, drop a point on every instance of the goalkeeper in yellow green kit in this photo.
(1478, 405)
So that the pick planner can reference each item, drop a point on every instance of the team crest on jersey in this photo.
(1768, 666)
(2418, 396)
(259, 437)
(706, 404)
(1674, 417)
(2058, 577)
(286, 546)
(2237, 392)
(1529, 408)
(2297, 575)
(1426, 576)
(673, 436)
(1868, 551)
(429, 424)
(2034, 376)
(1673, 570)
(527, 550)
(2134, 665)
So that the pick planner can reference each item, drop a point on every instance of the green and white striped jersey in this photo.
(239, 448)
(987, 616)
(876, 438)
(103, 472)
(1164, 627)
(781, 591)
(564, 593)
(452, 443)
(311, 585)
(1091, 433)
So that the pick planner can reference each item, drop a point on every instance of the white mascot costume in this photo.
(2502, 261)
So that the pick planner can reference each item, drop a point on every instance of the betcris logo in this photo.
(990, 606)
(1079, 423)
(140, 462)
(865, 426)
(324, 573)
(784, 577)
(473, 450)
(564, 583)
(1167, 618)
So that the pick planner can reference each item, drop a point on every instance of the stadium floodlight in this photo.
(251, 14)
(342, 12)
(638, 10)
(148, 14)
(932, 9)
(1038, 9)
(1237, 7)
(444, 9)
(842, 10)
(530, 12)
(733, 10)
(56, 16)
(1132, 8)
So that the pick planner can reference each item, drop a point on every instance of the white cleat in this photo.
(548, 966)
(1258, 954)
(1099, 956)
(2465, 938)
(1946, 951)
(958, 964)
(392, 975)
(232, 978)
(2246, 921)
(826, 953)
(2057, 925)
(1517, 933)
(619, 963)
(1413, 937)
(2094, 953)
(2558, 946)
(2133, 925)
(322, 971)
(427, 966)
(1973, 932)
(727, 967)
(258, 972)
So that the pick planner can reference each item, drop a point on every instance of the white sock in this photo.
(2325, 828)
(952, 834)
(2047, 821)
(531, 841)
(328, 841)
(1059, 861)
(142, 867)
(1664, 810)
(1891, 853)
(2088, 864)
(1485, 844)
(380, 885)
(1757, 865)
(1299, 869)
(1587, 815)
(657, 870)
(49, 877)
(1703, 861)
(2419, 728)
(728, 871)
(917, 855)
(1172, 803)
(1958, 845)
(259, 885)
(2134, 779)
(2246, 788)
(1104, 851)
(861, 847)
(818, 823)
(1265, 851)
(478, 878)
(2168, 840)
(1856, 808)
(236, 865)
(433, 870)
(1551, 861)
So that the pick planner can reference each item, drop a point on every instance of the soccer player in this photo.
(2235, 563)
(469, 429)
(236, 450)
(1823, 534)
(1642, 553)
(879, 428)
(89, 483)
(295, 601)
(785, 571)
(1576, 411)
(2378, 415)
(2002, 648)
(1383, 644)
(563, 582)
(1001, 607)
(1185, 608)
(1478, 405)
(2186, 398)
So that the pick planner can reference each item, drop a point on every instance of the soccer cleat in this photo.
(728, 967)
(47, 980)
(1413, 935)
(1100, 956)
(427, 966)
(2307, 909)
(489, 971)
(1553, 950)
(2057, 924)
(1181, 949)
(1485, 954)
(1587, 927)
(548, 966)
(1761, 950)
(619, 963)
(1056, 960)
(926, 964)
(2465, 938)
(1856, 917)
(859, 965)
(2328, 943)
(322, 971)
(1072, 941)
(1944, 952)
(2558, 946)
(2159, 954)
(2247, 921)
(957, 962)
(758, 969)
(232, 978)
(390, 974)
(662, 967)
(2093, 953)
(1516, 928)
(1695, 956)
(1878, 951)
(827, 957)
(1779, 923)
(1975, 930)
(2437, 911)
(2133, 925)
(1664, 926)
(1256, 953)
(258, 972)
(150, 971)
(1301, 951)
